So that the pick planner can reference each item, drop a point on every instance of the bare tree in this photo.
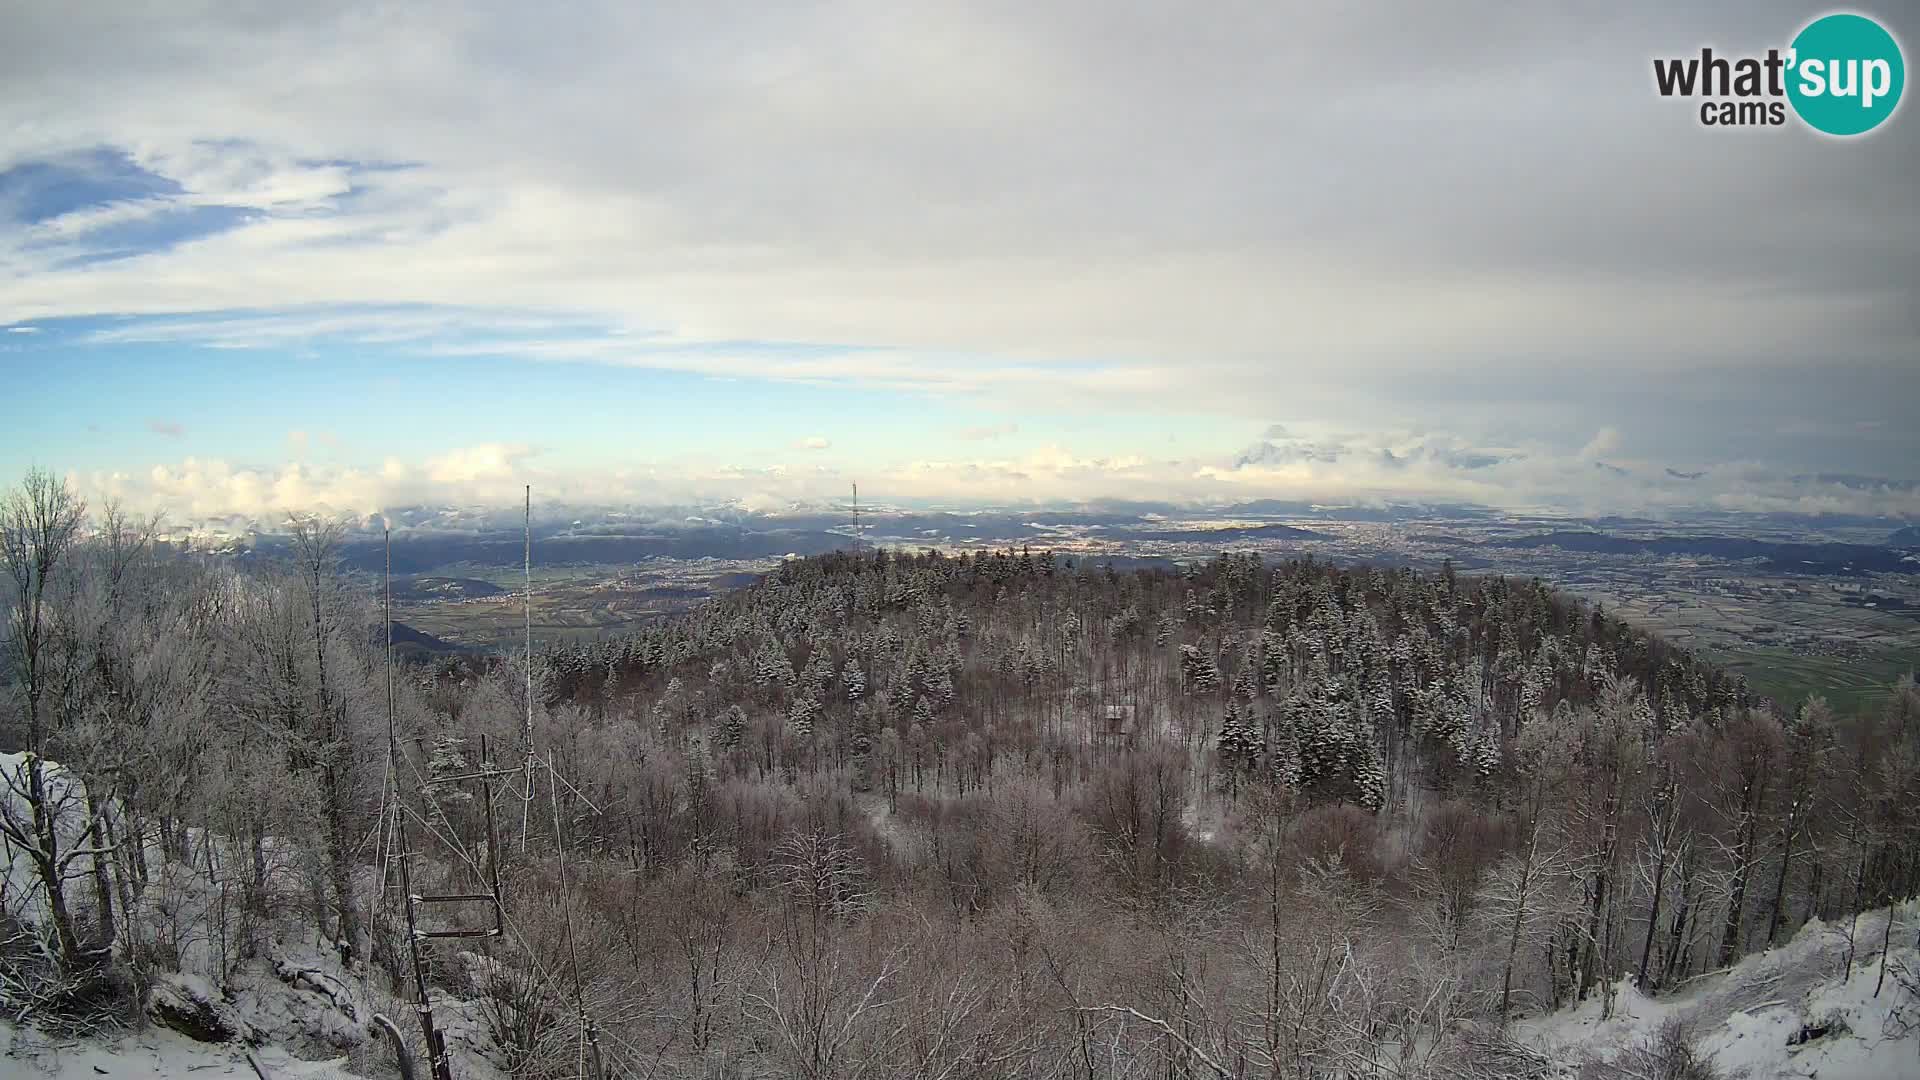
(39, 524)
(1525, 887)
(316, 545)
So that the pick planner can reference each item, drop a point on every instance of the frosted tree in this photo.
(801, 716)
(1380, 702)
(447, 757)
(772, 668)
(854, 679)
(1283, 757)
(1236, 745)
(1324, 738)
(1806, 762)
(1369, 771)
(818, 676)
(39, 522)
(1525, 889)
(316, 545)
(1273, 662)
(1245, 686)
(731, 727)
(1533, 688)
(1201, 673)
(940, 690)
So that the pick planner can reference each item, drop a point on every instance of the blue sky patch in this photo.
(165, 228)
(39, 191)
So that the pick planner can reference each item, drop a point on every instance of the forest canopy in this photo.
(922, 814)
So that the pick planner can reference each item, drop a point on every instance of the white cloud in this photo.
(1605, 441)
(486, 464)
(1099, 210)
(1090, 184)
(812, 442)
(1368, 467)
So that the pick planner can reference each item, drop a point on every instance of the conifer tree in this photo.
(732, 727)
(854, 679)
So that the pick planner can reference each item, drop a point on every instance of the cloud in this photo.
(932, 208)
(23, 329)
(167, 428)
(1100, 212)
(1332, 467)
(492, 474)
(988, 431)
(1604, 441)
(812, 442)
(477, 465)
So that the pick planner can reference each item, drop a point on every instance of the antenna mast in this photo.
(439, 1061)
(526, 804)
(438, 1066)
(856, 517)
(528, 526)
(386, 589)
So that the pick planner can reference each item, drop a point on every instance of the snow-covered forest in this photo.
(920, 815)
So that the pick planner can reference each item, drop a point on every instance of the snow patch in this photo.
(1791, 1012)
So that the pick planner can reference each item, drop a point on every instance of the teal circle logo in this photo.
(1845, 74)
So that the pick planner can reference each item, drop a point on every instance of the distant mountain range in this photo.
(625, 539)
(1793, 558)
(441, 541)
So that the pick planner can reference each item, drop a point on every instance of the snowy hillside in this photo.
(156, 1053)
(1794, 1011)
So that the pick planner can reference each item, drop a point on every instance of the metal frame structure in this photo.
(439, 1064)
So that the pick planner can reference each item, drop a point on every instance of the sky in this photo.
(264, 258)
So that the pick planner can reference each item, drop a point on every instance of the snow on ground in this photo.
(1203, 818)
(156, 1053)
(1745, 1017)
(21, 895)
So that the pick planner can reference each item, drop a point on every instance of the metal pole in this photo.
(526, 805)
(493, 840)
(529, 608)
(588, 1031)
(387, 589)
(437, 1065)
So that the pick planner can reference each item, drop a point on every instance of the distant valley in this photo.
(1792, 602)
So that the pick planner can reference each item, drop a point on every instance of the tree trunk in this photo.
(1519, 921)
(1677, 943)
(102, 867)
(1737, 899)
(1780, 886)
(1653, 914)
(46, 861)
